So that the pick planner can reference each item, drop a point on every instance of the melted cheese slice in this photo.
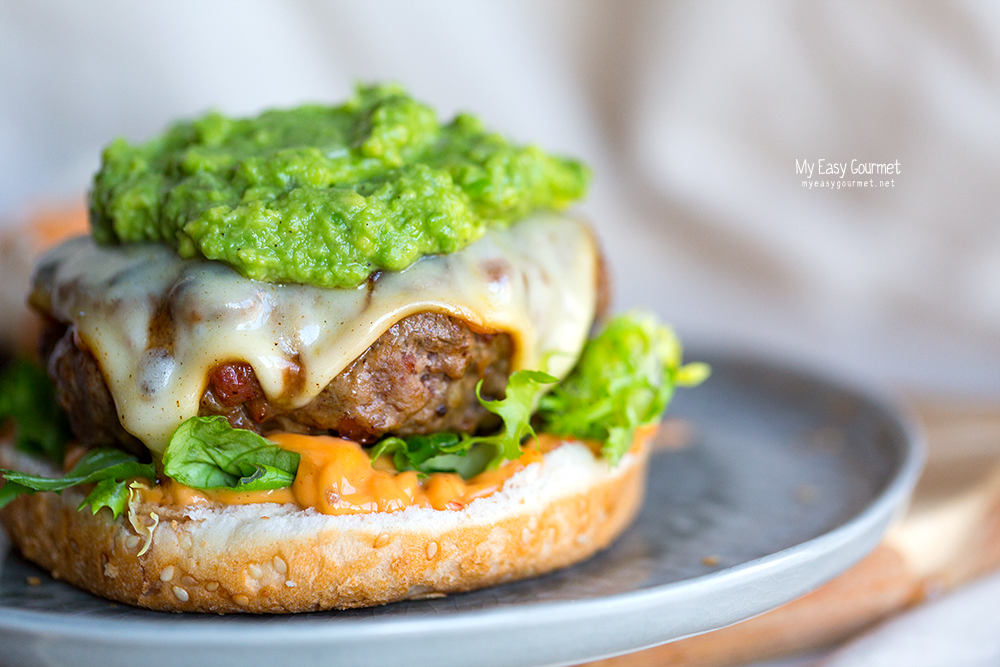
(158, 324)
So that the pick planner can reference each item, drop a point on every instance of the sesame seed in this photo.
(279, 565)
(185, 541)
(241, 600)
(212, 586)
(290, 584)
(432, 548)
(180, 593)
(381, 540)
(132, 541)
(167, 574)
(188, 580)
(525, 535)
(255, 571)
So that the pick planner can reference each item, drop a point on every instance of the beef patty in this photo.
(418, 377)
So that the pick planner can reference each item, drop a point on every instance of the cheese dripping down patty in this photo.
(158, 324)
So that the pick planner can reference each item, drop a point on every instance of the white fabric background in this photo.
(960, 630)
(692, 115)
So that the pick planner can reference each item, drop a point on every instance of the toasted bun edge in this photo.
(269, 558)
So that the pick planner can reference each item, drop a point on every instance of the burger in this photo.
(328, 357)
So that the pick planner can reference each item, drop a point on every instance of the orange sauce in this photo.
(335, 476)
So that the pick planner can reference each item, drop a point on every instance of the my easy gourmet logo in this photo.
(823, 173)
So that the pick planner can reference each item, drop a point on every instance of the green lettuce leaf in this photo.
(523, 391)
(624, 379)
(418, 452)
(465, 454)
(28, 397)
(439, 452)
(11, 490)
(109, 469)
(110, 493)
(208, 453)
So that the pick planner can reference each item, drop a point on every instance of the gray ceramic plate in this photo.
(788, 481)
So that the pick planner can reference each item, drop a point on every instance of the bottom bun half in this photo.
(269, 558)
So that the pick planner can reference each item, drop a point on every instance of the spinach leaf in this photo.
(208, 453)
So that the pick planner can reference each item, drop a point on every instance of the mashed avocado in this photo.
(325, 195)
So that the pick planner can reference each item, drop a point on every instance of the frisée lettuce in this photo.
(625, 378)
(450, 452)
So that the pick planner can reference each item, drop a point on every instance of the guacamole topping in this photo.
(325, 195)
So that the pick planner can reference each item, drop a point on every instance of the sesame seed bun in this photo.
(269, 558)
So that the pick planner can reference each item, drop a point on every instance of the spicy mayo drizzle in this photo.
(335, 476)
